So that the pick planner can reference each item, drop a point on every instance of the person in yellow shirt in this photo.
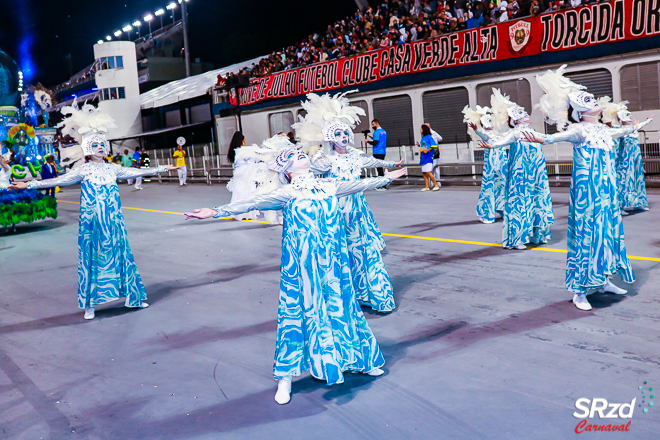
(180, 157)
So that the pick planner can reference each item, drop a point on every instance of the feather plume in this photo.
(84, 120)
(321, 109)
(555, 103)
(611, 110)
(499, 103)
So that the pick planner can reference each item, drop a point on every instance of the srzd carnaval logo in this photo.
(623, 412)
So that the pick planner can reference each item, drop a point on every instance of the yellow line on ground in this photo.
(415, 237)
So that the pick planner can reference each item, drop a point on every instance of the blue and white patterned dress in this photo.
(371, 281)
(528, 204)
(106, 267)
(596, 244)
(320, 326)
(630, 174)
(493, 180)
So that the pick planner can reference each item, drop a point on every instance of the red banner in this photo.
(562, 30)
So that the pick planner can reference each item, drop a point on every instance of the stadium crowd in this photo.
(400, 22)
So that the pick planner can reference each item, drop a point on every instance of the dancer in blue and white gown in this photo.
(528, 205)
(493, 178)
(329, 122)
(320, 326)
(106, 267)
(596, 244)
(629, 165)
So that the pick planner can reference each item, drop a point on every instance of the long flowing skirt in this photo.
(596, 245)
(320, 326)
(528, 204)
(493, 184)
(371, 281)
(630, 175)
(106, 267)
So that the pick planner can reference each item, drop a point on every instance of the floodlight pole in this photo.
(184, 20)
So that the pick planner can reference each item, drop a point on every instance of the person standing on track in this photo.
(180, 157)
(379, 142)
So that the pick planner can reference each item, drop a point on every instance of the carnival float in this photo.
(25, 146)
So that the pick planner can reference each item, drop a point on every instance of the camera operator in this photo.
(379, 142)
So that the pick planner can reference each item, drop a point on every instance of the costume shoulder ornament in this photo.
(87, 125)
(324, 114)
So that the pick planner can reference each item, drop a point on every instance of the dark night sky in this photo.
(222, 31)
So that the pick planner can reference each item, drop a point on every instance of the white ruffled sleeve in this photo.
(272, 201)
(70, 178)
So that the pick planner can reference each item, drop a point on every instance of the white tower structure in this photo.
(118, 87)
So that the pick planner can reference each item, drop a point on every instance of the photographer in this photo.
(379, 142)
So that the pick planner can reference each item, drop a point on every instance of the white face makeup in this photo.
(625, 117)
(338, 133)
(94, 144)
(300, 163)
(583, 103)
(518, 115)
(486, 122)
(341, 137)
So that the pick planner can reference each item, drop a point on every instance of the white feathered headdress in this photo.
(560, 95)
(614, 113)
(324, 114)
(87, 125)
(499, 105)
(480, 117)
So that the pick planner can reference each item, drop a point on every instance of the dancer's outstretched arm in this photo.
(619, 132)
(267, 202)
(511, 137)
(573, 134)
(372, 162)
(131, 173)
(71, 178)
(347, 187)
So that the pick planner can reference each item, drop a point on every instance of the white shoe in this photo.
(611, 288)
(89, 313)
(283, 394)
(381, 189)
(376, 372)
(138, 187)
(144, 305)
(185, 184)
(581, 302)
(436, 188)
(624, 213)
(487, 222)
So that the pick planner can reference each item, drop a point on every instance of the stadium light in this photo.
(159, 13)
(108, 37)
(127, 28)
(117, 33)
(138, 24)
(171, 6)
(148, 19)
(99, 42)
